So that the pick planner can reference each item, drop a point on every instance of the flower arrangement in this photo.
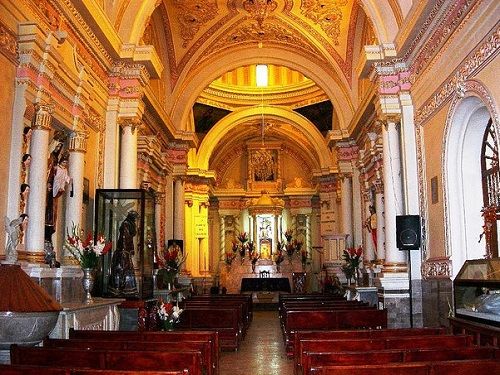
(279, 257)
(85, 251)
(168, 315)
(243, 247)
(291, 246)
(254, 256)
(243, 237)
(230, 257)
(352, 258)
(170, 262)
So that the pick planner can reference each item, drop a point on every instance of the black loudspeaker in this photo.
(408, 232)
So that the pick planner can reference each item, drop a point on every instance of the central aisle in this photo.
(262, 351)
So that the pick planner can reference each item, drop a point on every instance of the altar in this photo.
(267, 284)
(239, 278)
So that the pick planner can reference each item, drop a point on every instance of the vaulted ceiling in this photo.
(208, 50)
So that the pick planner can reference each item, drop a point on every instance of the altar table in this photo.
(266, 284)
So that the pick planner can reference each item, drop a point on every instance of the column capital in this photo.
(43, 117)
(78, 141)
(159, 198)
(379, 186)
(134, 122)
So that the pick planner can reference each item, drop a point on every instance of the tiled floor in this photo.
(262, 352)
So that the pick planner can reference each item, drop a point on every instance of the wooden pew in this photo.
(199, 335)
(331, 320)
(246, 298)
(214, 306)
(225, 321)
(32, 370)
(209, 365)
(362, 333)
(47, 370)
(107, 359)
(379, 344)
(314, 360)
(429, 368)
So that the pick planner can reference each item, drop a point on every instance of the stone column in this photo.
(357, 209)
(276, 234)
(39, 149)
(393, 198)
(159, 203)
(74, 194)
(178, 210)
(222, 238)
(379, 208)
(128, 155)
(169, 208)
(16, 148)
(369, 246)
(347, 208)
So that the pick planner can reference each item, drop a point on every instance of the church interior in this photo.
(275, 149)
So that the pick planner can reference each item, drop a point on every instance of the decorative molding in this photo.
(328, 15)
(259, 9)
(43, 117)
(78, 141)
(474, 62)
(436, 268)
(439, 34)
(192, 16)
(468, 88)
(8, 43)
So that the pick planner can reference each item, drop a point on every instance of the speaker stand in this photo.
(409, 290)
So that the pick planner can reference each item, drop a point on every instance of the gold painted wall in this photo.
(433, 144)
(7, 76)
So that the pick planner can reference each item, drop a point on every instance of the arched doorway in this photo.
(463, 152)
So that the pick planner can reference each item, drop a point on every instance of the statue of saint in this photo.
(14, 229)
(57, 179)
(371, 225)
(122, 280)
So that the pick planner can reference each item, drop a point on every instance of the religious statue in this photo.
(14, 229)
(122, 280)
(371, 225)
(57, 179)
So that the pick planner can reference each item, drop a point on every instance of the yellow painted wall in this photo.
(7, 76)
(433, 146)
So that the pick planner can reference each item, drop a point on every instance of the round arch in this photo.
(463, 197)
(213, 68)
(236, 118)
(379, 11)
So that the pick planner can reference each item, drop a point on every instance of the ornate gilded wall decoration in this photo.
(262, 164)
(259, 9)
(327, 14)
(270, 33)
(192, 16)
(8, 44)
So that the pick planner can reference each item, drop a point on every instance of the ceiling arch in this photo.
(122, 12)
(335, 88)
(231, 121)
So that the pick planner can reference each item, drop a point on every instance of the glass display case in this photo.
(477, 291)
(127, 218)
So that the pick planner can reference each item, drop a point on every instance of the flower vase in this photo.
(278, 268)
(253, 267)
(167, 325)
(88, 284)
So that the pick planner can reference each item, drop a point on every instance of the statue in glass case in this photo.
(122, 280)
